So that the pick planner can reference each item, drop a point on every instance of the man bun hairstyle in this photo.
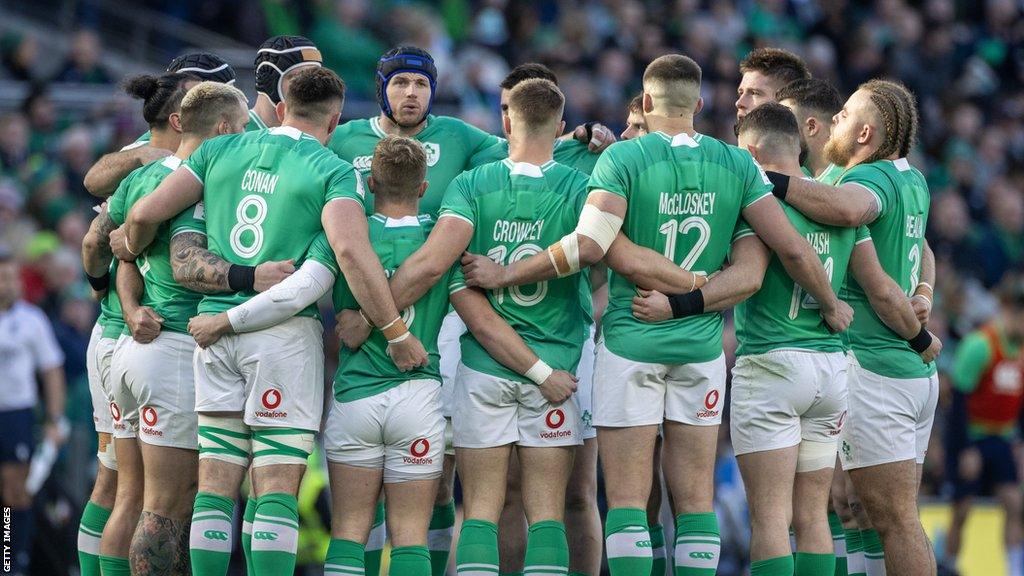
(776, 63)
(161, 95)
(315, 93)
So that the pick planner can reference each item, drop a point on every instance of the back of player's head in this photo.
(528, 71)
(636, 105)
(161, 95)
(535, 105)
(907, 105)
(315, 94)
(896, 116)
(813, 96)
(205, 65)
(207, 104)
(773, 127)
(279, 56)
(781, 65)
(673, 83)
(404, 59)
(398, 168)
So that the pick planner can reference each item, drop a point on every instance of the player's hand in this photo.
(600, 136)
(838, 318)
(558, 387)
(119, 246)
(922, 307)
(408, 354)
(933, 350)
(144, 324)
(482, 272)
(208, 328)
(351, 329)
(270, 273)
(651, 306)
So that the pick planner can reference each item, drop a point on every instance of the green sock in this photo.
(778, 566)
(628, 542)
(698, 544)
(658, 550)
(275, 534)
(247, 518)
(547, 550)
(854, 553)
(410, 561)
(815, 564)
(114, 566)
(210, 535)
(439, 537)
(344, 558)
(835, 526)
(375, 542)
(510, 574)
(874, 556)
(478, 548)
(90, 529)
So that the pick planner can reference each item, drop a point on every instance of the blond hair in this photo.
(207, 104)
(398, 168)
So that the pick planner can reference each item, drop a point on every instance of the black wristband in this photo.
(241, 278)
(780, 184)
(689, 304)
(922, 341)
(590, 131)
(99, 283)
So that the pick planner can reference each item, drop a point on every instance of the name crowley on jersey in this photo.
(516, 231)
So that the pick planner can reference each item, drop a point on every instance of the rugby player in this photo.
(987, 368)
(133, 322)
(764, 72)
(154, 383)
(814, 102)
(384, 425)
(892, 392)
(632, 392)
(264, 389)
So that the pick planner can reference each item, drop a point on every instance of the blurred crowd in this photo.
(964, 60)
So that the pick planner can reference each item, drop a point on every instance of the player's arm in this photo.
(505, 345)
(649, 269)
(96, 254)
(890, 302)
(143, 322)
(924, 293)
(768, 220)
(846, 205)
(972, 357)
(425, 267)
(179, 190)
(200, 270)
(599, 224)
(739, 281)
(102, 179)
(284, 300)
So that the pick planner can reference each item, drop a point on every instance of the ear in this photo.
(370, 183)
(423, 188)
(333, 125)
(648, 103)
(224, 127)
(506, 124)
(561, 129)
(175, 121)
(755, 152)
(867, 132)
(699, 107)
(279, 110)
(812, 127)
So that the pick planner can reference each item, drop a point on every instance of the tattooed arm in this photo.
(96, 254)
(200, 270)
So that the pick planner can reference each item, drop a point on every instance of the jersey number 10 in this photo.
(521, 252)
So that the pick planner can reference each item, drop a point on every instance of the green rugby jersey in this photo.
(452, 147)
(830, 175)
(172, 301)
(685, 195)
(263, 194)
(781, 314)
(571, 153)
(369, 370)
(517, 210)
(111, 318)
(898, 236)
(255, 123)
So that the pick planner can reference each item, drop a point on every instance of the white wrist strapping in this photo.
(398, 339)
(539, 372)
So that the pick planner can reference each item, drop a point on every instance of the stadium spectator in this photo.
(83, 62)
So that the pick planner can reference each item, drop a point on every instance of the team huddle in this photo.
(512, 310)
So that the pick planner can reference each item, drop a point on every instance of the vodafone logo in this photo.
(115, 412)
(271, 399)
(420, 448)
(711, 400)
(149, 415)
(555, 419)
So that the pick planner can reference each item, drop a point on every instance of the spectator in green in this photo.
(348, 47)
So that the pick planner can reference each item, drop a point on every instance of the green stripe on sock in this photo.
(344, 558)
(94, 518)
(269, 556)
(546, 546)
(698, 544)
(209, 562)
(872, 542)
(410, 561)
(478, 547)
(815, 564)
(114, 566)
(628, 542)
(778, 566)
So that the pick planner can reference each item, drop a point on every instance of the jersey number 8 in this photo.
(251, 223)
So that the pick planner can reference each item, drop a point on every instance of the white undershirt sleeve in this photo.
(287, 298)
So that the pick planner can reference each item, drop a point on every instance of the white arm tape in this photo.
(539, 372)
(285, 299)
(599, 226)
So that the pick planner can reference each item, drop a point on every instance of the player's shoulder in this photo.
(354, 127)
(880, 170)
(567, 177)
(450, 124)
(485, 173)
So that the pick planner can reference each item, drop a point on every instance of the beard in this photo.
(804, 152)
(839, 149)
